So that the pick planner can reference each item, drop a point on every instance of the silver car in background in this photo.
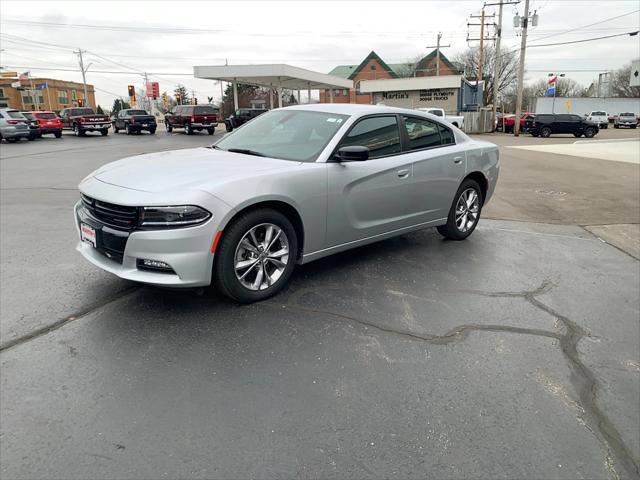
(293, 185)
(13, 125)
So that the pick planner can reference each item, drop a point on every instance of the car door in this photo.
(64, 116)
(371, 197)
(118, 121)
(438, 168)
(565, 124)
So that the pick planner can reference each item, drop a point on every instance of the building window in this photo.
(30, 99)
(373, 67)
(338, 93)
(63, 97)
(358, 92)
(2, 93)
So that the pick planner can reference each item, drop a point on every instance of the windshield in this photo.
(627, 115)
(298, 135)
(599, 114)
(138, 112)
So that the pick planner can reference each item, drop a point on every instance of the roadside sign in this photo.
(42, 86)
(153, 89)
(634, 79)
(567, 105)
(8, 74)
(16, 84)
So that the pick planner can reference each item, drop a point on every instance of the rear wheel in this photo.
(187, 129)
(464, 213)
(616, 126)
(115, 128)
(228, 127)
(211, 130)
(545, 132)
(168, 126)
(256, 256)
(58, 134)
(589, 132)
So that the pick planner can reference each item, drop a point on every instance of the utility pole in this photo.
(437, 46)
(523, 48)
(496, 63)
(82, 69)
(479, 76)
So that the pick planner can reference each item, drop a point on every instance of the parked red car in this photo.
(509, 122)
(48, 122)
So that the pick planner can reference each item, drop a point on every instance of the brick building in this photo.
(50, 94)
(374, 68)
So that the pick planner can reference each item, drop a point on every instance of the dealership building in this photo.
(433, 81)
(47, 94)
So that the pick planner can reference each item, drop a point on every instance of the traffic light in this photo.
(178, 99)
(195, 101)
(132, 91)
(81, 102)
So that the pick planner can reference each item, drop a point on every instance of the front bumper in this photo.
(186, 250)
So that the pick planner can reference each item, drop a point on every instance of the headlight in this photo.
(172, 217)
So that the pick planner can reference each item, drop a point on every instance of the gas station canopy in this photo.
(272, 75)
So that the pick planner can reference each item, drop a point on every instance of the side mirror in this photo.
(354, 153)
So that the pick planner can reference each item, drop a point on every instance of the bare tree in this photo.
(620, 83)
(409, 69)
(506, 76)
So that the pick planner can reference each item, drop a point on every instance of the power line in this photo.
(586, 26)
(631, 34)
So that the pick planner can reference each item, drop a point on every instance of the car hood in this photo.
(197, 168)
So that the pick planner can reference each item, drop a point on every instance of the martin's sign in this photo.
(395, 95)
(436, 94)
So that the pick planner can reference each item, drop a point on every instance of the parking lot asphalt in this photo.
(514, 354)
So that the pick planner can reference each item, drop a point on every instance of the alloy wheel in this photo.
(467, 210)
(261, 256)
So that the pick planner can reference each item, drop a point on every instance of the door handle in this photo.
(404, 173)
(457, 160)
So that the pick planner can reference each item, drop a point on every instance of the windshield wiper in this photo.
(246, 151)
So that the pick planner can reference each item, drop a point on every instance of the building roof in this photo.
(372, 56)
(397, 69)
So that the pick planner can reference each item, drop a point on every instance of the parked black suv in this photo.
(242, 115)
(544, 124)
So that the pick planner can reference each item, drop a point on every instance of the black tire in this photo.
(12, 140)
(545, 132)
(104, 132)
(616, 126)
(79, 132)
(633, 126)
(605, 126)
(577, 135)
(535, 135)
(589, 132)
(228, 127)
(211, 131)
(168, 126)
(450, 229)
(224, 276)
(115, 129)
(152, 131)
(31, 138)
(187, 129)
(58, 134)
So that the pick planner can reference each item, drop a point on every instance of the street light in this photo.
(555, 88)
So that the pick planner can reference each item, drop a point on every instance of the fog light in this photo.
(147, 264)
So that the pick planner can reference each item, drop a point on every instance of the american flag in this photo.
(24, 76)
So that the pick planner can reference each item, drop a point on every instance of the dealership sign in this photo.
(395, 95)
(436, 94)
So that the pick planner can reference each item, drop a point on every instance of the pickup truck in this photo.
(82, 119)
(599, 117)
(134, 121)
(193, 118)
(455, 120)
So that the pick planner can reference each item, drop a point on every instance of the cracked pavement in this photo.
(515, 354)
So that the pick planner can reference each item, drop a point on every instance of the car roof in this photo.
(350, 108)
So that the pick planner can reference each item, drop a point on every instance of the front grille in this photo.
(110, 214)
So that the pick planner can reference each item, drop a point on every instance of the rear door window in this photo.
(379, 134)
(422, 133)
(204, 110)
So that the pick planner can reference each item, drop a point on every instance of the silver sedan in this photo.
(291, 186)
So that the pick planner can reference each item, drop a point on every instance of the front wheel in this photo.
(211, 130)
(256, 256)
(78, 132)
(228, 127)
(129, 131)
(589, 132)
(169, 127)
(152, 131)
(464, 213)
(187, 129)
(104, 132)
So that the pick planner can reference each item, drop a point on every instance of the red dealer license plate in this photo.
(88, 234)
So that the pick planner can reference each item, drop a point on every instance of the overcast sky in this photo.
(313, 35)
